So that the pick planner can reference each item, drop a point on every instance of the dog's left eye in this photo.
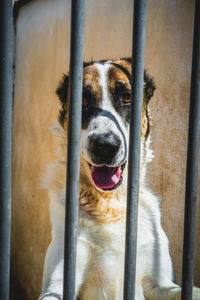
(126, 97)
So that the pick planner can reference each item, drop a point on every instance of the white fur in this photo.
(100, 248)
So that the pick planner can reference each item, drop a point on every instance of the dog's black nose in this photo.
(104, 147)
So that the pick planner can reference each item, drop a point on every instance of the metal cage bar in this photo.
(6, 87)
(192, 163)
(138, 47)
(73, 149)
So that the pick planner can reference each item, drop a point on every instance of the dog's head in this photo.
(105, 119)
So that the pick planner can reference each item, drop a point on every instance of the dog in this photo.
(103, 191)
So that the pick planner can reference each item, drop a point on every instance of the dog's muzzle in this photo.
(106, 156)
(103, 148)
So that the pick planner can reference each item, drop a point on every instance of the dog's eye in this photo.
(86, 98)
(126, 97)
(84, 102)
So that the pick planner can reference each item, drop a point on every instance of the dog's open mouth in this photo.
(107, 178)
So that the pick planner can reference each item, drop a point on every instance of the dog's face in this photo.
(105, 119)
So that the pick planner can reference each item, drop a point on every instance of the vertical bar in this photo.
(192, 163)
(73, 156)
(6, 87)
(138, 47)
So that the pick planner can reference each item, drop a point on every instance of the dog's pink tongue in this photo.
(106, 177)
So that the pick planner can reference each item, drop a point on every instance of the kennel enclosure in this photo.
(197, 92)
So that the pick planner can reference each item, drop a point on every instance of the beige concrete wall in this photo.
(42, 55)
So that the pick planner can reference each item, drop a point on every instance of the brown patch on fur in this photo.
(124, 63)
(146, 120)
(145, 124)
(91, 78)
(62, 93)
(90, 83)
(92, 93)
(105, 207)
(148, 91)
(115, 74)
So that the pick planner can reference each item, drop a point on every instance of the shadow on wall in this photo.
(42, 55)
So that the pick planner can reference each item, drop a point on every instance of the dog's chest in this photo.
(102, 237)
(110, 237)
(105, 247)
(104, 244)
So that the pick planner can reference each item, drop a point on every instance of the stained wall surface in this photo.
(42, 55)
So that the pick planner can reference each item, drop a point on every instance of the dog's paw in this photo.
(196, 293)
(177, 294)
(50, 296)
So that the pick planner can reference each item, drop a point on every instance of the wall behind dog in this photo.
(42, 55)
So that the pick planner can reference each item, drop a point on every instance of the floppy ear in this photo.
(62, 92)
(149, 87)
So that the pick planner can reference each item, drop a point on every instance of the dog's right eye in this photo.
(86, 99)
(84, 102)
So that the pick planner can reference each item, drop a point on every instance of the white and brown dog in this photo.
(103, 185)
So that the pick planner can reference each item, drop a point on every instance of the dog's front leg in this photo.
(54, 287)
(172, 292)
(160, 283)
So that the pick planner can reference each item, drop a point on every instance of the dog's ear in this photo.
(62, 92)
(62, 89)
(149, 87)
(127, 59)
